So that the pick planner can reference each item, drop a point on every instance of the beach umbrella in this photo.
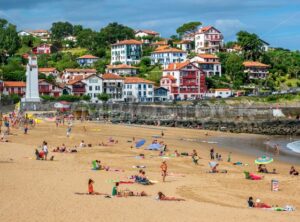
(140, 143)
(212, 164)
(264, 160)
(154, 146)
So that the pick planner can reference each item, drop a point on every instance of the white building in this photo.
(70, 38)
(167, 55)
(122, 70)
(220, 93)
(143, 33)
(49, 71)
(265, 46)
(126, 52)
(113, 86)
(208, 40)
(44, 35)
(87, 60)
(23, 33)
(71, 74)
(209, 63)
(185, 45)
(256, 70)
(138, 90)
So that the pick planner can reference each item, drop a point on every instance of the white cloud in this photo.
(229, 27)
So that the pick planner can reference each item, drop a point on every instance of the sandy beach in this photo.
(33, 190)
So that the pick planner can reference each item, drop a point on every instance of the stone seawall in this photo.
(268, 127)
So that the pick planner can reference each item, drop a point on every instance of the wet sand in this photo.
(34, 190)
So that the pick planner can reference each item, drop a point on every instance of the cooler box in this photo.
(274, 185)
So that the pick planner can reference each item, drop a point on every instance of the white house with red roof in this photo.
(220, 93)
(122, 69)
(208, 40)
(13, 87)
(71, 74)
(167, 55)
(138, 90)
(185, 45)
(113, 86)
(127, 52)
(50, 89)
(143, 33)
(209, 63)
(42, 49)
(49, 71)
(43, 34)
(256, 70)
(184, 81)
(87, 60)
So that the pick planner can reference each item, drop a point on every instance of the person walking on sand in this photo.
(212, 154)
(69, 129)
(164, 169)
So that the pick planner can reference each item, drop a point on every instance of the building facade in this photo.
(87, 60)
(185, 81)
(185, 45)
(127, 52)
(49, 71)
(161, 94)
(138, 90)
(256, 70)
(13, 87)
(42, 49)
(113, 86)
(167, 55)
(122, 70)
(209, 63)
(208, 40)
(50, 89)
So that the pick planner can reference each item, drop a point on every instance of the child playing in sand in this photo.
(91, 188)
(115, 190)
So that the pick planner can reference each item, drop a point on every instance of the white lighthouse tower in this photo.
(32, 82)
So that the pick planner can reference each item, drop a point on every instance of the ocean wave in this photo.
(294, 146)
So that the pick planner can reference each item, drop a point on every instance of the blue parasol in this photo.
(140, 143)
(154, 146)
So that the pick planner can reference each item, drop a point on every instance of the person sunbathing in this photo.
(258, 204)
(262, 168)
(91, 188)
(161, 196)
(293, 171)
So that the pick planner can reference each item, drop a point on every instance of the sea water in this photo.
(294, 146)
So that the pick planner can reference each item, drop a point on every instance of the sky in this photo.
(275, 21)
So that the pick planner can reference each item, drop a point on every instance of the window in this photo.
(93, 80)
(97, 88)
(150, 86)
(90, 88)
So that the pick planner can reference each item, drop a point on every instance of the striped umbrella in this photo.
(264, 160)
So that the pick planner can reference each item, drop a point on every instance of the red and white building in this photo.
(256, 70)
(13, 87)
(208, 40)
(50, 89)
(184, 81)
(42, 49)
(122, 69)
(209, 63)
(49, 71)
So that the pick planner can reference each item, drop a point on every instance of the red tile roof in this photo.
(132, 80)
(14, 84)
(128, 42)
(255, 64)
(169, 77)
(47, 69)
(183, 42)
(206, 28)
(121, 66)
(169, 49)
(176, 66)
(81, 70)
(149, 32)
(88, 57)
(39, 31)
(224, 89)
(111, 76)
(208, 56)
(160, 43)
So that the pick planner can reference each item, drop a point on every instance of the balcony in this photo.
(79, 90)
(44, 90)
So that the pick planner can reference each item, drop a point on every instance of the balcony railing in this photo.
(78, 90)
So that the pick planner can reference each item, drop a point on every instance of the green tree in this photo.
(251, 45)
(9, 40)
(114, 32)
(59, 30)
(234, 68)
(86, 98)
(87, 38)
(190, 27)
(77, 29)
(100, 65)
(104, 97)
(14, 70)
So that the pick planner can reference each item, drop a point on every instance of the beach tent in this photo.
(140, 143)
(154, 146)
(264, 160)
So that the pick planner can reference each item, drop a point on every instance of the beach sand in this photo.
(32, 190)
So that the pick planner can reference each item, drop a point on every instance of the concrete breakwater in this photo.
(266, 127)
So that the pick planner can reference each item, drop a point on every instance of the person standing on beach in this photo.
(45, 149)
(164, 169)
(229, 157)
(212, 154)
(69, 129)
(276, 150)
